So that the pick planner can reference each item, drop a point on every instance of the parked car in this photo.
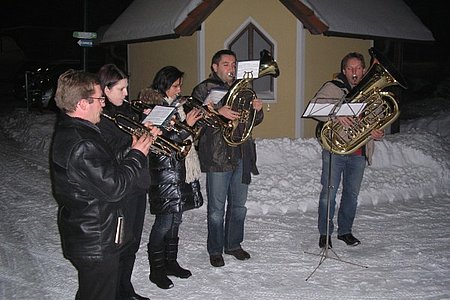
(36, 82)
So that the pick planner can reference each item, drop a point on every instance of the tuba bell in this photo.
(240, 98)
(381, 108)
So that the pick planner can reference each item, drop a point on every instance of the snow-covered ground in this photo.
(402, 220)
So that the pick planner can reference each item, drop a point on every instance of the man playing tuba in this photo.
(349, 167)
(228, 168)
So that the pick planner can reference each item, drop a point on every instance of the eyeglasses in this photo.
(101, 99)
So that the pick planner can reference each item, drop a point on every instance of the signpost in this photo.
(85, 40)
(85, 43)
(84, 35)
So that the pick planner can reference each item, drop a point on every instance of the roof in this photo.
(147, 20)
(360, 18)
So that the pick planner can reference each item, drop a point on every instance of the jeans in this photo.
(165, 226)
(351, 169)
(226, 187)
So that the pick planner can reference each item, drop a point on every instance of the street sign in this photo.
(85, 43)
(84, 35)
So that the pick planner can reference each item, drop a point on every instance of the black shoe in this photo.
(161, 280)
(323, 241)
(240, 254)
(216, 260)
(174, 269)
(349, 239)
(136, 297)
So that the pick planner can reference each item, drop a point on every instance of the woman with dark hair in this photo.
(174, 184)
(114, 84)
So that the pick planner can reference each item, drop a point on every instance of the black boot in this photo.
(172, 266)
(158, 270)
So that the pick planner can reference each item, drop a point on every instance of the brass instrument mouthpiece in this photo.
(230, 74)
(354, 76)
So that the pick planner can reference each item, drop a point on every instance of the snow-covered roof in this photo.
(146, 20)
(380, 18)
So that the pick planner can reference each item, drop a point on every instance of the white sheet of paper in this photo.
(325, 109)
(159, 115)
(250, 67)
(350, 109)
(215, 95)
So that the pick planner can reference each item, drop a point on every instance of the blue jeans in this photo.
(226, 187)
(165, 226)
(351, 169)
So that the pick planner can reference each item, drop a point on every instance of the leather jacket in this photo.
(214, 153)
(88, 185)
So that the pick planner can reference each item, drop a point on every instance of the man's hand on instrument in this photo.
(377, 134)
(345, 121)
(228, 113)
(257, 104)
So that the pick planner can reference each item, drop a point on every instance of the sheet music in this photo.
(250, 67)
(159, 115)
(215, 95)
(350, 109)
(326, 109)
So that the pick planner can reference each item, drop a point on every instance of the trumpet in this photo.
(160, 146)
(139, 105)
(176, 125)
(209, 115)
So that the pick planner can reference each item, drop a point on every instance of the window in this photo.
(247, 44)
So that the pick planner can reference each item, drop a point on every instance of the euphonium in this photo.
(381, 108)
(240, 98)
(161, 145)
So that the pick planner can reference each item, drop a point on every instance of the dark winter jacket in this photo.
(88, 185)
(214, 153)
(169, 192)
(120, 141)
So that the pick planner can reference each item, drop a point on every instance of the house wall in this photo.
(145, 59)
(323, 57)
(278, 23)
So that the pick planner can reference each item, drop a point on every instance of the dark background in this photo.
(43, 31)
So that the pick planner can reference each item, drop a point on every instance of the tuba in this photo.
(381, 108)
(160, 146)
(240, 98)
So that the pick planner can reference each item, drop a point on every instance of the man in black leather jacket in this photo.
(228, 169)
(89, 184)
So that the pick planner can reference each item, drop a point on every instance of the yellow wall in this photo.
(280, 24)
(323, 56)
(145, 59)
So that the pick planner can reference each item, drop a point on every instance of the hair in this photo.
(218, 56)
(350, 55)
(109, 75)
(74, 85)
(164, 79)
